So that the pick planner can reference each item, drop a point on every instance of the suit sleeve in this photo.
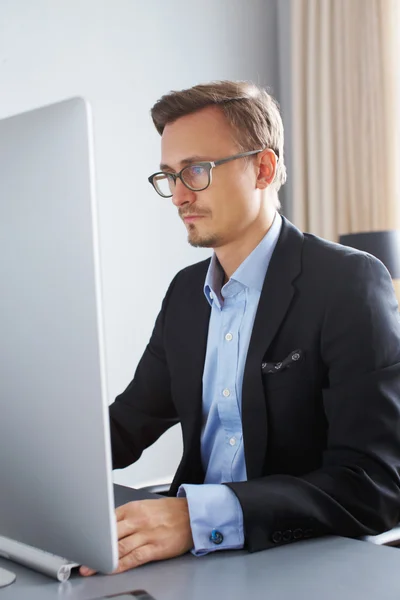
(144, 411)
(357, 489)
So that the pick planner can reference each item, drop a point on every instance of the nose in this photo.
(182, 195)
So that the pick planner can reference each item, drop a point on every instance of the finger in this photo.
(134, 516)
(129, 509)
(144, 554)
(132, 542)
(126, 528)
(86, 572)
(121, 511)
(139, 556)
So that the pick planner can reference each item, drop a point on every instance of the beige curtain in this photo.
(346, 132)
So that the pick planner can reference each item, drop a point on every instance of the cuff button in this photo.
(216, 537)
(277, 537)
(308, 533)
(298, 534)
(287, 535)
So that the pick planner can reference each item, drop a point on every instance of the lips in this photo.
(191, 217)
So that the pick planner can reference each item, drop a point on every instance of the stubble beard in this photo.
(198, 241)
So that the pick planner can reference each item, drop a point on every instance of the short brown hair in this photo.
(250, 110)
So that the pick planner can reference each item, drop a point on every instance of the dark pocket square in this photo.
(277, 367)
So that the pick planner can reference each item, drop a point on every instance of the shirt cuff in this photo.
(216, 517)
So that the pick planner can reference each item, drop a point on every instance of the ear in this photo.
(266, 168)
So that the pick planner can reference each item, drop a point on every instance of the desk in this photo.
(329, 568)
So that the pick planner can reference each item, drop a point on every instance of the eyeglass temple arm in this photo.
(225, 160)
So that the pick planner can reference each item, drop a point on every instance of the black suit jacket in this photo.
(321, 430)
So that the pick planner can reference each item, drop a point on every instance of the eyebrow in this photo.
(185, 161)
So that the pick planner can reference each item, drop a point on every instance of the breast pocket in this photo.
(285, 379)
(291, 371)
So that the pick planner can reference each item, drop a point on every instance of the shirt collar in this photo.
(213, 282)
(251, 273)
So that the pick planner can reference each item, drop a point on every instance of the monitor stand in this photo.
(6, 578)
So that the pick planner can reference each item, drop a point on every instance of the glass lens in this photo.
(164, 184)
(196, 177)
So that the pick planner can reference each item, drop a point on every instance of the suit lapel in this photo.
(275, 299)
(191, 346)
(193, 333)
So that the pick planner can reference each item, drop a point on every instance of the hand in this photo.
(151, 530)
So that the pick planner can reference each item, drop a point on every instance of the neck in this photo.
(231, 255)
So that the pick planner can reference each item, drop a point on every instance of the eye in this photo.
(195, 177)
(196, 170)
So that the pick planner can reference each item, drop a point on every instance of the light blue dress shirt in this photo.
(213, 506)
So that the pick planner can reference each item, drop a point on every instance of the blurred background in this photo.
(331, 64)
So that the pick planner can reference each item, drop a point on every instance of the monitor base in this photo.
(6, 578)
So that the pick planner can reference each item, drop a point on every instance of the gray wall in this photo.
(122, 55)
(284, 94)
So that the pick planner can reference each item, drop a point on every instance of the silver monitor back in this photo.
(55, 458)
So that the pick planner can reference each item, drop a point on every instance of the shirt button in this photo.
(232, 441)
(229, 337)
(211, 296)
(226, 393)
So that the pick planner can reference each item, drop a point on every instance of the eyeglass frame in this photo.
(208, 164)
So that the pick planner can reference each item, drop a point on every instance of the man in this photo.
(280, 357)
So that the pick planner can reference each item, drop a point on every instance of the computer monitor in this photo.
(55, 458)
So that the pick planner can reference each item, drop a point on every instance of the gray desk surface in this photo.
(326, 568)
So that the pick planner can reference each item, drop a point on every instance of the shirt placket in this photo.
(228, 353)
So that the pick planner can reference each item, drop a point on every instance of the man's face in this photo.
(221, 213)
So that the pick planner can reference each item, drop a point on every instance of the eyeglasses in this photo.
(196, 177)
